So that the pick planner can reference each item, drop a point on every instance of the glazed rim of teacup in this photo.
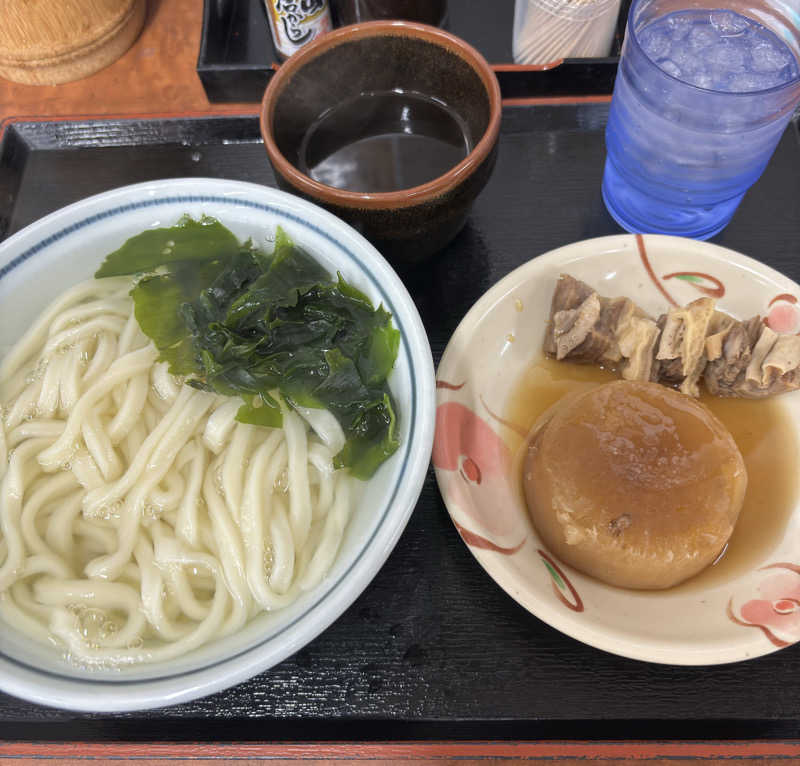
(404, 197)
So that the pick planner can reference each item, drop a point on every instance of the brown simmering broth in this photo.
(761, 429)
(384, 142)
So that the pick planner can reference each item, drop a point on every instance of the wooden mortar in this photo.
(45, 42)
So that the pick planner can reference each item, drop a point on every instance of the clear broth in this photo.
(384, 141)
(762, 431)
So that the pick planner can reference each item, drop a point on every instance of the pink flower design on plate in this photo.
(475, 474)
(783, 314)
(776, 611)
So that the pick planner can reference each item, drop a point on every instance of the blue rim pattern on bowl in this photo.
(172, 199)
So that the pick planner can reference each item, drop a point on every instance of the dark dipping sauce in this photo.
(762, 429)
(384, 141)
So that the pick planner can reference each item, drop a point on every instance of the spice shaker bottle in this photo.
(294, 23)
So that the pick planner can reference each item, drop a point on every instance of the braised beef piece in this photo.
(729, 350)
(580, 328)
(681, 349)
(685, 345)
(585, 327)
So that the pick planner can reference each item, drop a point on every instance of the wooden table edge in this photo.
(428, 750)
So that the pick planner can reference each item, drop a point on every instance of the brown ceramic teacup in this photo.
(349, 66)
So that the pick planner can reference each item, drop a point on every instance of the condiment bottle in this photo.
(294, 23)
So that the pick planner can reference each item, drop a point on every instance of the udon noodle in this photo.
(139, 519)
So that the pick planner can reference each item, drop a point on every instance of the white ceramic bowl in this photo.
(751, 613)
(66, 247)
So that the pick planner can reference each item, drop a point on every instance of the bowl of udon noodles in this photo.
(175, 518)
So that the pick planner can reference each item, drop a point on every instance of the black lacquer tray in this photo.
(237, 56)
(433, 648)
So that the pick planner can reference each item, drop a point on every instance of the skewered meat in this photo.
(684, 346)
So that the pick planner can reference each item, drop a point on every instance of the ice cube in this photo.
(767, 58)
(728, 23)
(701, 80)
(678, 27)
(725, 57)
(671, 68)
(688, 61)
(655, 43)
(702, 37)
(748, 82)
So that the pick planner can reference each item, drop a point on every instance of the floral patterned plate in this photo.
(756, 610)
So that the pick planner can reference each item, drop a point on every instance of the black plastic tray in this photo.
(237, 55)
(432, 648)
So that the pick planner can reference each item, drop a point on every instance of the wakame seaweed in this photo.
(237, 321)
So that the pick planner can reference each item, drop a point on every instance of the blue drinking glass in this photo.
(682, 146)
